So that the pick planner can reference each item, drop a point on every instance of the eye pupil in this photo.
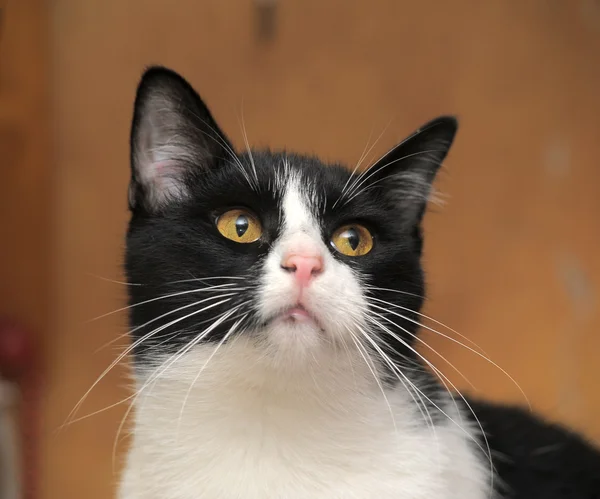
(241, 225)
(353, 238)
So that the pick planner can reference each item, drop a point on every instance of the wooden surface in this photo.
(25, 231)
(512, 258)
(26, 192)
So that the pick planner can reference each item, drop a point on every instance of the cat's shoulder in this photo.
(534, 457)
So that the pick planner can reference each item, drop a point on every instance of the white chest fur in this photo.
(246, 429)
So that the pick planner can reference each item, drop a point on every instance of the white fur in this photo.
(252, 430)
(294, 412)
(334, 297)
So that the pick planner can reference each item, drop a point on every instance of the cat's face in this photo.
(299, 257)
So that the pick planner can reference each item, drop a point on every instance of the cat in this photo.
(274, 309)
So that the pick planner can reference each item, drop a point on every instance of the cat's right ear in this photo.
(173, 138)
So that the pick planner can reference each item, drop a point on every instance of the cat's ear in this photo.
(404, 175)
(173, 138)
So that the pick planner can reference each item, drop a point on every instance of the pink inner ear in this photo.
(161, 171)
(164, 179)
(159, 167)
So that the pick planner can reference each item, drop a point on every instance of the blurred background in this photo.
(512, 256)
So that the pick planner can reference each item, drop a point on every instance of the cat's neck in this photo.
(238, 396)
(210, 416)
(240, 373)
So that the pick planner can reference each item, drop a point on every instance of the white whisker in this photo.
(394, 305)
(416, 337)
(247, 144)
(159, 372)
(164, 297)
(370, 287)
(170, 312)
(215, 350)
(113, 281)
(223, 143)
(372, 368)
(367, 174)
(463, 345)
(133, 346)
(363, 156)
(423, 409)
(388, 361)
(444, 379)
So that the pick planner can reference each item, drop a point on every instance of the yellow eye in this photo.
(240, 226)
(352, 240)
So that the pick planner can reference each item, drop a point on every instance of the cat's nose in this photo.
(304, 267)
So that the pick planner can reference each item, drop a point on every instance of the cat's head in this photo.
(280, 249)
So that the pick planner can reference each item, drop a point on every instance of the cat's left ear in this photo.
(405, 174)
(174, 138)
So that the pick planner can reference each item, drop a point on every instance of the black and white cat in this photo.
(274, 306)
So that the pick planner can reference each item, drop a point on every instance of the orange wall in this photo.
(512, 258)
(26, 185)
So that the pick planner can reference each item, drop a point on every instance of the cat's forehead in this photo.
(300, 180)
(300, 202)
(289, 191)
(299, 191)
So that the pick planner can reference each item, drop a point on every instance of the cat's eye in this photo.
(352, 240)
(239, 225)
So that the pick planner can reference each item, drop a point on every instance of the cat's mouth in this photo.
(297, 314)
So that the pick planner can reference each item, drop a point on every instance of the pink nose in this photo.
(304, 267)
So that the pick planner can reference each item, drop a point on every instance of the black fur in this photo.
(174, 251)
(173, 246)
(537, 459)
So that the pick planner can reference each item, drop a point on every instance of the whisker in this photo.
(113, 281)
(223, 143)
(367, 174)
(421, 406)
(345, 346)
(425, 317)
(416, 337)
(95, 413)
(132, 347)
(371, 367)
(200, 337)
(247, 143)
(463, 345)
(370, 287)
(363, 156)
(366, 188)
(164, 297)
(386, 359)
(443, 377)
(202, 279)
(216, 349)
(170, 312)
(403, 342)
(156, 375)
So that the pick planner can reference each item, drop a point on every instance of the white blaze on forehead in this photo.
(296, 205)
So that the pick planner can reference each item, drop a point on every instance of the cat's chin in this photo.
(294, 338)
